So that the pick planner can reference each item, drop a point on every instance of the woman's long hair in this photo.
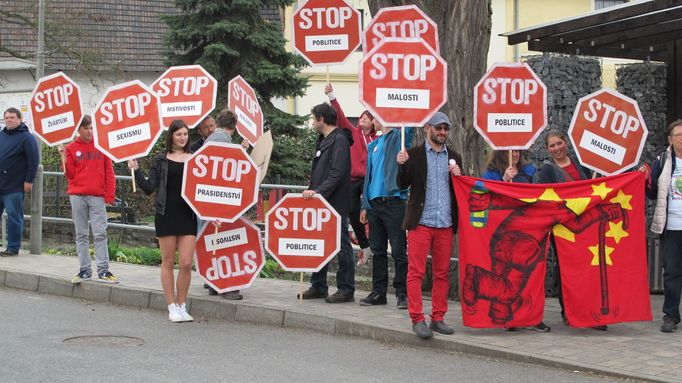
(174, 127)
(498, 160)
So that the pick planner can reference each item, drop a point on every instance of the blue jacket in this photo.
(524, 176)
(389, 172)
(18, 159)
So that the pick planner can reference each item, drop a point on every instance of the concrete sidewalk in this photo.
(633, 350)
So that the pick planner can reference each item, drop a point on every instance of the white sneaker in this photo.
(174, 313)
(185, 315)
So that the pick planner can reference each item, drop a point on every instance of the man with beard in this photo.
(431, 220)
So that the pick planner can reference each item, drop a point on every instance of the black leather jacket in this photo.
(158, 175)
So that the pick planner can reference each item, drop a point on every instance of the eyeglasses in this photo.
(676, 135)
(442, 127)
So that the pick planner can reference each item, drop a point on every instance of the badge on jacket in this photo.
(318, 153)
(78, 153)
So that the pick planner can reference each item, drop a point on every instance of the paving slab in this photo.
(636, 351)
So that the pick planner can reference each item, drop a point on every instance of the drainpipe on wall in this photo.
(517, 49)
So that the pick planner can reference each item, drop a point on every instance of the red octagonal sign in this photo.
(242, 100)
(127, 121)
(608, 132)
(56, 109)
(220, 182)
(302, 235)
(402, 82)
(231, 258)
(326, 31)
(510, 106)
(405, 21)
(186, 93)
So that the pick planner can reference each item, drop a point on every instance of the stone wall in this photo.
(646, 84)
(567, 78)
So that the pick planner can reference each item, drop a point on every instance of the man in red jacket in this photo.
(363, 134)
(91, 186)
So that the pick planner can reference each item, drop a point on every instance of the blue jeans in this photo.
(385, 221)
(345, 276)
(13, 203)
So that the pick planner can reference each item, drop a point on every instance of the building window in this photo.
(599, 4)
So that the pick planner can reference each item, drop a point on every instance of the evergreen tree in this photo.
(229, 38)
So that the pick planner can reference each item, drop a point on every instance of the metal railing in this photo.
(274, 193)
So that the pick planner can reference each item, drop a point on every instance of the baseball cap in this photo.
(439, 118)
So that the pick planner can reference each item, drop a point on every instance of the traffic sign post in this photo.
(127, 122)
(510, 106)
(402, 82)
(326, 31)
(55, 109)
(302, 235)
(220, 182)
(243, 101)
(230, 258)
(406, 21)
(608, 132)
(187, 93)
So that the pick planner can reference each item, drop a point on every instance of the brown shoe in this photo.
(9, 253)
(339, 297)
(312, 293)
(232, 295)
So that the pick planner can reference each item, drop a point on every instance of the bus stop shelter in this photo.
(649, 30)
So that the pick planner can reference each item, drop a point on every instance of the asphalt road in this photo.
(41, 341)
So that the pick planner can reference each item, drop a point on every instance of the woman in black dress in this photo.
(175, 222)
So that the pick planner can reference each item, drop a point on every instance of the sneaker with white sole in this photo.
(174, 313)
(107, 277)
(185, 315)
(83, 275)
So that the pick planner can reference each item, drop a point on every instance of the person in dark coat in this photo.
(330, 178)
(18, 166)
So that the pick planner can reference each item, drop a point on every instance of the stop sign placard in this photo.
(402, 82)
(302, 235)
(127, 121)
(510, 106)
(55, 109)
(242, 100)
(405, 21)
(186, 93)
(608, 132)
(326, 31)
(238, 256)
(220, 182)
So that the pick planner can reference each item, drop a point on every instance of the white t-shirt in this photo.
(674, 221)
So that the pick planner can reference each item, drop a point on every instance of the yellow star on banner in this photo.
(616, 231)
(578, 205)
(562, 231)
(547, 195)
(601, 190)
(595, 251)
(623, 199)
